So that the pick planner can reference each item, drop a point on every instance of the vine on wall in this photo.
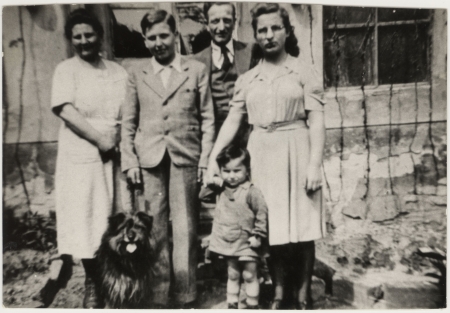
(430, 111)
(391, 133)
(341, 114)
(20, 117)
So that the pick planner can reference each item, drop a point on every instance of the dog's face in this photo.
(129, 234)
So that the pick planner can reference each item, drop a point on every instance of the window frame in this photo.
(375, 24)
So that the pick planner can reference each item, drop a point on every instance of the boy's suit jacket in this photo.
(179, 118)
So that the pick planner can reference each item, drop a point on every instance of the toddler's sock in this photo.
(252, 291)
(233, 287)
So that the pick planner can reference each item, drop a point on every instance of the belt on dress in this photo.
(281, 126)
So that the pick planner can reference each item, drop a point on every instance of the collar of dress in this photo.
(289, 65)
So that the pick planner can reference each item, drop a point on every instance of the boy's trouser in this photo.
(170, 190)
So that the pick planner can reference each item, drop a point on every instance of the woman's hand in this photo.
(212, 175)
(226, 135)
(134, 175)
(106, 143)
(80, 126)
(313, 179)
(317, 140)
(201, 174)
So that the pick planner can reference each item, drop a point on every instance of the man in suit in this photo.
(167, 135)
(225, 59)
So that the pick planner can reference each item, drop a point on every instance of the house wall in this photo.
(33, 44)
(385, 149)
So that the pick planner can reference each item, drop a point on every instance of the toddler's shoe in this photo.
(233, 306)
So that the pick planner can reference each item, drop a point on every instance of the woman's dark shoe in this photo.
(91, 299)
(276, 305)
(190, 305)
(233, 306)
(47, 294)
(304, 305)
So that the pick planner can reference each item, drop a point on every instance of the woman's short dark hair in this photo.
(232, 152)
(291, 44)
(82, 16)
(158, 16)
(208, 6)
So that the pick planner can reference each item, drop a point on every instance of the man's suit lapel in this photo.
(153, 81)
(177, 79)
(207, 58)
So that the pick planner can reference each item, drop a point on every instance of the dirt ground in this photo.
(25, 273)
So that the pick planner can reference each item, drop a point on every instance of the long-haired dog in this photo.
(124, 258)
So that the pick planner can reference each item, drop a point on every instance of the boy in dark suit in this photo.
(167, 135)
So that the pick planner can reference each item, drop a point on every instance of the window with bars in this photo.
(375, 46)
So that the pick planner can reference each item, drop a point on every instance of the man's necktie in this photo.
(226, 60)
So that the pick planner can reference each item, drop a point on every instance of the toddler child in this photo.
(240, 223)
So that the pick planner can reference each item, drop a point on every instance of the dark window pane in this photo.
(128, 40)
(195, 37)
(394, 14)
(402, 53)
(346, 15)
(350, 59)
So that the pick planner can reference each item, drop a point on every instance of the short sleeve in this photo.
(237, 104)
(63, 87)
(313, 88)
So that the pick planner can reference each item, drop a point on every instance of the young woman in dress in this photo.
(87, 94)
(282, 97)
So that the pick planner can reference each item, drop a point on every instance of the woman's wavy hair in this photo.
(82, 16)
(291, 44)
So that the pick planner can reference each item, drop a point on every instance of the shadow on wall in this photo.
(128, 43)
(43, 16)
(193, 36)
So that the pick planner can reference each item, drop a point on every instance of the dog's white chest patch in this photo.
(131, 247)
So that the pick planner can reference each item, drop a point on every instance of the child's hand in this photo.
(254, 241)
(205, 242)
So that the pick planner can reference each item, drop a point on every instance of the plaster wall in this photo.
(33, 44)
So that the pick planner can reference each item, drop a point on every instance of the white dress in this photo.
(84, 184)
(279, 146)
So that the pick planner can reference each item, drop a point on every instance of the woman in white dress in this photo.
(282, 97)
(87, 94)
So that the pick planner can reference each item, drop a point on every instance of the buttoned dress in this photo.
(84, 183)
(279, 146)
(240, 213)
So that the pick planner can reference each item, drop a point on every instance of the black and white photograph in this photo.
(225, 155)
